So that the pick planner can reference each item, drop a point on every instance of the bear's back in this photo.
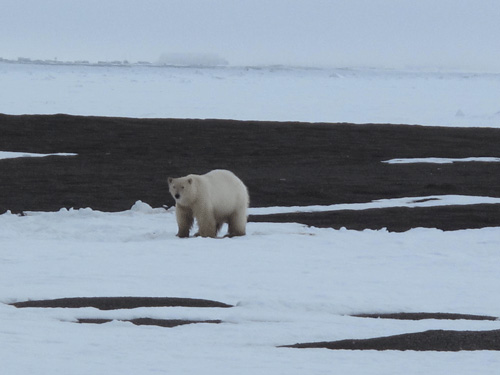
(226, 188)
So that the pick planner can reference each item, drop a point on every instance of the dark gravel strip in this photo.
(433, 340)
(115, 303)
(122, 160)
(397, 219)
(422, 316)
(167, 323)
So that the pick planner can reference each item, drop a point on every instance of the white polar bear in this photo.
(214, 198)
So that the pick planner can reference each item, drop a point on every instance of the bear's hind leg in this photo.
(237, 224)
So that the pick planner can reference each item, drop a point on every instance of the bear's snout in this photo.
(177, 196)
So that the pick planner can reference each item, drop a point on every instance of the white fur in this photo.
(212, 199)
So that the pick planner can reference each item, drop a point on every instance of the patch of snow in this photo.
(12, 155)
(142, 207)
(442, 160)
(427, 201)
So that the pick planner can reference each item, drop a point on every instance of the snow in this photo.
(289, 283)
(442, 160)
(427, 201)
(12, 155)
(278, 93)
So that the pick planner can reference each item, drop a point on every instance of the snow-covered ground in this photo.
(254, 93)
(289, 283)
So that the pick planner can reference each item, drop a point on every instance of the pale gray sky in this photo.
(463, 34)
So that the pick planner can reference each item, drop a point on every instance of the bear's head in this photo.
(183, 190)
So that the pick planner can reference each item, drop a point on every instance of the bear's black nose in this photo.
(177, 196)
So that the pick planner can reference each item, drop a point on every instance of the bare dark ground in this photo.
(114, 303)
(422, 316)
(167, 323)
(434, 340)
(124, 160)
(395, 219)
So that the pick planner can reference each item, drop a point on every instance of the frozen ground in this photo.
(289, 283)
(253, 93)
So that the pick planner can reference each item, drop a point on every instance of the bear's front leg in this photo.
(185, 220)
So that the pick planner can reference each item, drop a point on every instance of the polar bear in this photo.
(212, 199)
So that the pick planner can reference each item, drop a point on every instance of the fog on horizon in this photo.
(447, 34)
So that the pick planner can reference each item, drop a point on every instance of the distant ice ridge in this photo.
(166, 59)
(192, 59)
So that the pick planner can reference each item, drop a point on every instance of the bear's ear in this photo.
(170, 179)
(190, 180)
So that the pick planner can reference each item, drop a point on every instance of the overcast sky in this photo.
(463, 34)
